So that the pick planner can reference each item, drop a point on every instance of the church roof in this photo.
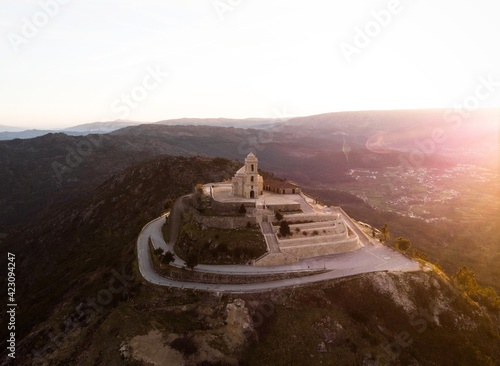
(251, 157)
(280, 184)
(241, 170)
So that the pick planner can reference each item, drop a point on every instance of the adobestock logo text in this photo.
(31, 26)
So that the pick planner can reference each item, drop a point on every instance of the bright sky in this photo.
(82, 61)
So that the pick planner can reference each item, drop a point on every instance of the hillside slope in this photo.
(83, 302)
(65, 256)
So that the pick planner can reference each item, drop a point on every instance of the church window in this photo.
(251, 167)
(251, 179)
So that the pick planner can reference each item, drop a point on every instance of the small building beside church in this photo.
(247, 182)
(281, 187)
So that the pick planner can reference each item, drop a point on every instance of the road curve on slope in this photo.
(365, 260)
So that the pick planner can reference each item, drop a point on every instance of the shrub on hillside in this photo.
(402, 244)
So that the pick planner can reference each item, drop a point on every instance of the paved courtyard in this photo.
(222, 193)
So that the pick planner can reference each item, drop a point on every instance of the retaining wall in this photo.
(310, 217)
(275, 259)
(224, 222)
(316, 250)
(229, 208)
(315, 225)
(284, 207)
(331, 239)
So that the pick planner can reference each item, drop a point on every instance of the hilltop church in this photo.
(247, 182)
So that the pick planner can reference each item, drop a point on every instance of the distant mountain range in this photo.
(258, 123)
(11, 132)
(387, 129)
(100, 127)
(5, 128)
(311, 150)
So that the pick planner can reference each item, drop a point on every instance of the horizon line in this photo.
(277, 118)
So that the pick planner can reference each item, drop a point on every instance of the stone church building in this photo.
(247, 182)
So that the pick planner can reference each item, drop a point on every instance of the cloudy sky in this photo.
(65, 62)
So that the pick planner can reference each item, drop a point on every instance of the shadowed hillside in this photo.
(62, 257)
(66, 260)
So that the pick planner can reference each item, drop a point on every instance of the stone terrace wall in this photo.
(229, 208)
(222, 222)
(332, 239)
(316, 250)
(284, 207)
(310, 217)
(315, 225)
(275, 259)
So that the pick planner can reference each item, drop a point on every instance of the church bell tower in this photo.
(251, 176)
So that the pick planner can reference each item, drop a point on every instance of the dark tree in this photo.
(169, 204)
(168, 257)
(466, 279)
(197, 197)
(158, 251)
(191, 260)
(278, 216)
(242, 210)
(402, 244)
(285, 229)
(385, 232)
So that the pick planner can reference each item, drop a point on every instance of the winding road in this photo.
(371, 258)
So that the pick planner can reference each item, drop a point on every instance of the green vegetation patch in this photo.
(219, 246)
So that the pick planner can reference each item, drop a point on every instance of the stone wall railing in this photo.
(219, 278)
